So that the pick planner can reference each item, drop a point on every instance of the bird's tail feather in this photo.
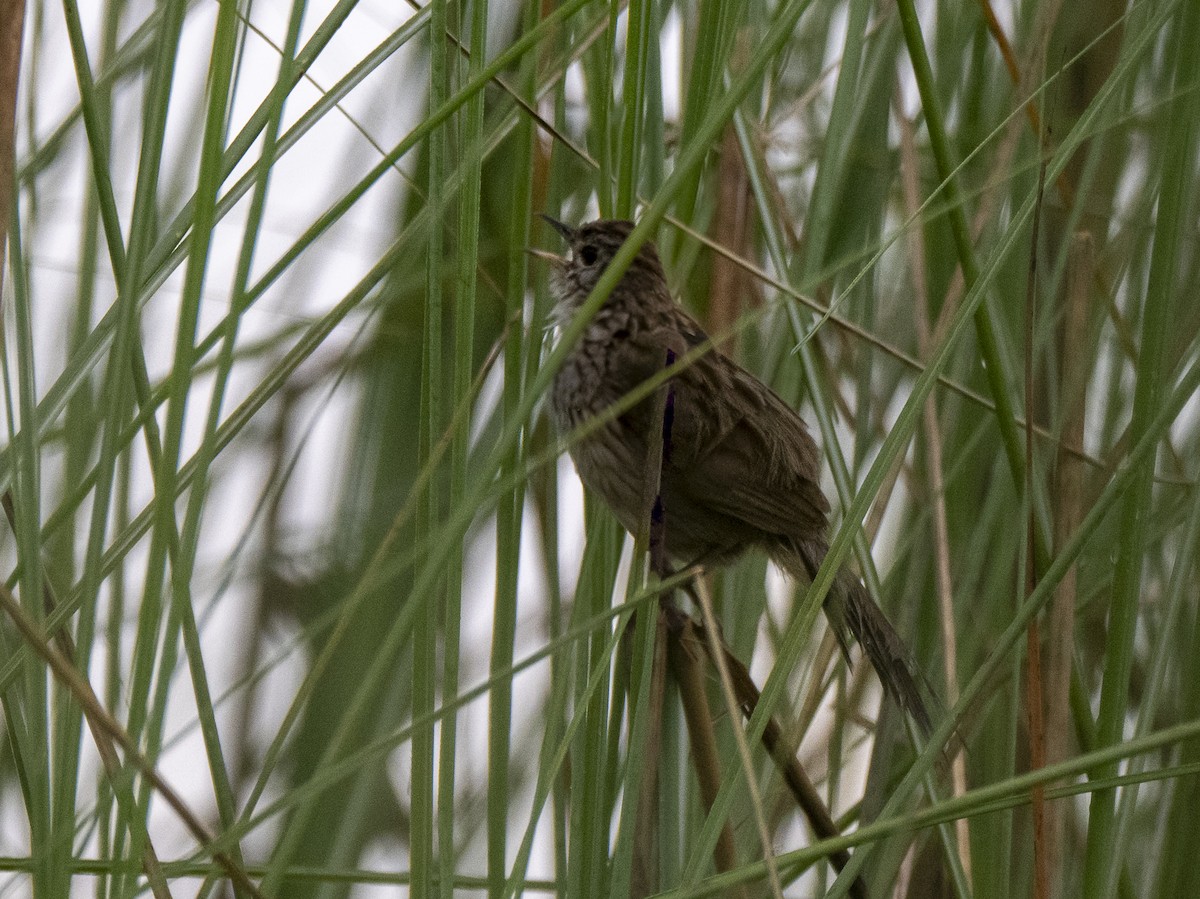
(852, 612)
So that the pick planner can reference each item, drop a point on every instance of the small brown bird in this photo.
(741, 470)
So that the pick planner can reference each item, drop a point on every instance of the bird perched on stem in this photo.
(742, 470)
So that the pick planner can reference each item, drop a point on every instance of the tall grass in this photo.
(303, 598)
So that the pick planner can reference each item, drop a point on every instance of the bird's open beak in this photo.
(566, 231)
(546, 254)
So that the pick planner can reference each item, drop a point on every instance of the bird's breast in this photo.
(584, 386)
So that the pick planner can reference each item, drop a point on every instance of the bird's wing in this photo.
(736, 446)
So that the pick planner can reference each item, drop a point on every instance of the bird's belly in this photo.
(614, 466)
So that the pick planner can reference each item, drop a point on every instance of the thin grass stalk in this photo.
(1033, 641)
(599, 80)
(633, 95)
(712, 38)
(1068, 488)
(936, 474)
(94, 111)
(25, 708)
(107, 204)
(421, 802)
(593, 744)
(59, 556)
(509, 517)
(672, 779)
(80, 449)
(652, 163)
(639, 758)
(467, 259)
(469, 235)
(12, 34)
(167, 546)
(1007, 798)
(560, 668)
(107, 819)
(423, 662)
(647, 849)
(634, 676)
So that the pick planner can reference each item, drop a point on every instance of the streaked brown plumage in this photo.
(742, 468)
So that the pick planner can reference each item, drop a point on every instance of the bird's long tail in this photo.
(852, 612)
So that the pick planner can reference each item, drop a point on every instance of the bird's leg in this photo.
(688, 635)
(687, 664)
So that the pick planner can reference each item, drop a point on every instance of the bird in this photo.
(741, 471)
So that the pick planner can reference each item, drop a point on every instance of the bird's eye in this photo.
(589, 254)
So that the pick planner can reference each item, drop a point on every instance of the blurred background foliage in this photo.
(282, 490)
